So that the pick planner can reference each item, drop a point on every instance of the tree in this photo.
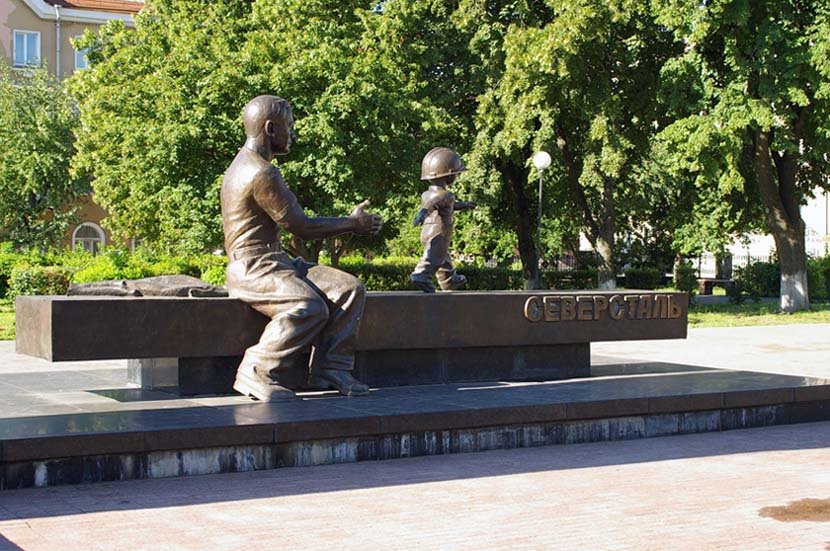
(580, 80)
(160, 108)
(755, 82)
(370, 85)
(37, 121)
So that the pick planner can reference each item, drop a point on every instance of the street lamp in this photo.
(541, 160)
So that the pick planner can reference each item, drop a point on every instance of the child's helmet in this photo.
(440, 162)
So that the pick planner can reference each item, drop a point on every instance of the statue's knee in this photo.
(346, 287)
(313, 309)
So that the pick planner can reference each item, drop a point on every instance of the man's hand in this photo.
(364, 222)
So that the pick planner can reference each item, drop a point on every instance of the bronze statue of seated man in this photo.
(310, 306)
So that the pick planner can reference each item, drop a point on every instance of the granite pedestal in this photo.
(191, 346)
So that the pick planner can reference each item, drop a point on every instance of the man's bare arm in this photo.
(320, 227)
(281, 205)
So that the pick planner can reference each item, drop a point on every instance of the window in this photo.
(88, 236)
(26, 48)
(81, 62)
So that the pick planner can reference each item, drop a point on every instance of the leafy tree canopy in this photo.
(579, 80)
(161, 104)
(750, 97)
(37, 120)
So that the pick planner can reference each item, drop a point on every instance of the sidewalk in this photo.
(802, 350)
(701, 491)
(689, 492)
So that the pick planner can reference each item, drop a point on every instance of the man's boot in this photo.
(340, 380)
(253, 381)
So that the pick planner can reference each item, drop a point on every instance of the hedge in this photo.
(51, 272)
(763, 279)
(643, 278)
(8, 259)
(39, 280)
(685, 278)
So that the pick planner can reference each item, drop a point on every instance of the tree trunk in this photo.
(516, 180)
(723, 265)
(335, 246)
(793, 261)
(309, 250)
(779, 195)
(599, 233)
(607, 271)
(604, 242)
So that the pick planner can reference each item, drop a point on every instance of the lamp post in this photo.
(541, 160)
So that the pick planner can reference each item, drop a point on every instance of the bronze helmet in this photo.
(440, 162)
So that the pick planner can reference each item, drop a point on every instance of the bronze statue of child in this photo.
(440, 168)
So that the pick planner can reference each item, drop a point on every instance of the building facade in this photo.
(38, 33)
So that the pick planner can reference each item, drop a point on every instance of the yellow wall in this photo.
(88, 211)
(16, 15)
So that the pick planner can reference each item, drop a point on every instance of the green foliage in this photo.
(121, 264)
(749, 130)
(392, 274)
(643, 278)
(112, 264)
(583, 278)
(6, 320)
(817, 283)
(39, 280)
(381, 276)
(8, 259)
(758, 279)
(160, 112)
(543, 92)
(160, 108)
(823, 264)
(215, 275)
(685, 278)
(37, 121)
(757, 313)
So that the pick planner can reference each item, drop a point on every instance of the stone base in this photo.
(228, 459)
(119, 434)
(383, 368)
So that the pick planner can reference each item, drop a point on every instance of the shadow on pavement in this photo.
(6, 545)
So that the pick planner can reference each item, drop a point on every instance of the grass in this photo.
(753, 313)
(6, 319)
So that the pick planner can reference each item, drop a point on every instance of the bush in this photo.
(392, 274)
(818, 279)
(492, 279)
(173, 265)
(8, 260)
(215, 275)
(685, 278)
(389, 274)
(758, 279)
(113, 264)
(583, 278)
(643, 278)
(39, 280)
(121, 264)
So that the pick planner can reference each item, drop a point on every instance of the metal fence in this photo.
(706, 263)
